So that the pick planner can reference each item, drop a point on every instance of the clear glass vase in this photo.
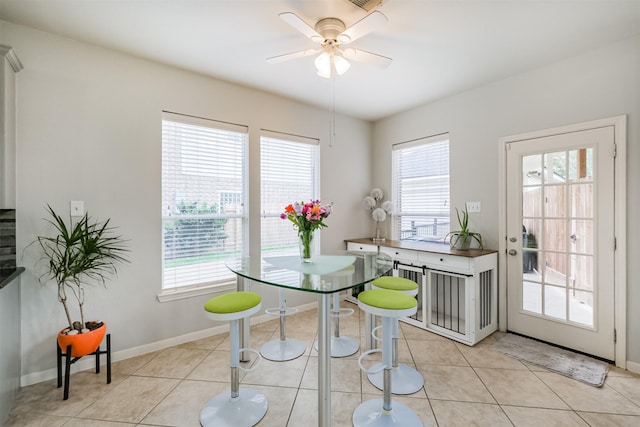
(306, 245)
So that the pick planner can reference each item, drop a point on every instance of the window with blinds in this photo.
(204, 186)
(289, 172)
(420, 175)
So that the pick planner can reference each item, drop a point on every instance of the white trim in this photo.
(11, 57)
(172, 294)
(90, 363)
(633, 366)
(265, 133)
(502, 229)
(201, 121)
(620, 230)
(620, 219)
(444, 136)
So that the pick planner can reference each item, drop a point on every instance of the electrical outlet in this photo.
(473, 207)
(77, 208)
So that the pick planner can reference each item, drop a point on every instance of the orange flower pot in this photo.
(82, 344)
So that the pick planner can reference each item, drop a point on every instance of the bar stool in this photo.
(406, 379)
(390, 305)
(341, 346)
(240, 407)
(284, 348)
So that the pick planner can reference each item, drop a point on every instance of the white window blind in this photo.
(289, 172)
(203, 200)
(421, 189)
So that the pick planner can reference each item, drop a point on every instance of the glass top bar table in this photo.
(315, 277)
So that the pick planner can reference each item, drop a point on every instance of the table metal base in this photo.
(279, 351)
(341, 346)
(404, 379)
(223, 411)
(370, 414)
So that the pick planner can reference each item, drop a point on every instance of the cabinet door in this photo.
(448, 304)
(361, 247)
(400, 254)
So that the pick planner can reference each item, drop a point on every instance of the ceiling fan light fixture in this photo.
(332, 33)
(327, 62)
(325, 74)
(341, 64)
(323, 65)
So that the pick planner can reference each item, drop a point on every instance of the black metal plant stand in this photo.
(69, 360)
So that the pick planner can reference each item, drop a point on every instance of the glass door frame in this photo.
(620, 209)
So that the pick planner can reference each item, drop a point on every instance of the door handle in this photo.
(513, 252)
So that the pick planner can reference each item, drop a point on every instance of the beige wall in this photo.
(598, 84)
(89, 128)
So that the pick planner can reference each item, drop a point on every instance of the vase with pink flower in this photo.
(307, 217)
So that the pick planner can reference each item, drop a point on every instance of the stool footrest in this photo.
(365, 354)
(277, 311)
(373, 333)
(342, 312)
(258, 360)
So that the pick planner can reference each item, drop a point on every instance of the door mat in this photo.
(573, 365)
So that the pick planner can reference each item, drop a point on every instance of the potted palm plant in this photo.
(78, 254)
(462, 239)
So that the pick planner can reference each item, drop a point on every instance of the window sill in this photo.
(175, 294)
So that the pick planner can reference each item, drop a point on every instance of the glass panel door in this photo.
(560, 239)
(558, 235)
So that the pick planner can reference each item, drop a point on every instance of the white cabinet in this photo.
(458, 289)
(361, 247)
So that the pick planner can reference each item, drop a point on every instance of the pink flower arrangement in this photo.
(308, 216)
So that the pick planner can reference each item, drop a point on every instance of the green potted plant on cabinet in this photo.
(80, 253)
(462, 239)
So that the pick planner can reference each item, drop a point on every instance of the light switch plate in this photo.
(473, 207)
(77, 208)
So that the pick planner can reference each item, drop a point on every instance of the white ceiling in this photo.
(438, 47)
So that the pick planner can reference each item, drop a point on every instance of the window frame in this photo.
(175, 161)
(314, 159)
(441, 230)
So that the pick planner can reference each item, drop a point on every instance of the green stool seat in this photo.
(388, 302)
(390, 305)
(406, 379)
(234, 305)
(395, 284)
(238, 406)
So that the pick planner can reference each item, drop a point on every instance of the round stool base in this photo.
(279, 351)
(341, 346)
(369, 413)
(404, 379)
(222, 411)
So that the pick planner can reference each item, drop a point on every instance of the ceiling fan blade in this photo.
(364, 26)
(293, 55)
(296, 22)
(367, 57)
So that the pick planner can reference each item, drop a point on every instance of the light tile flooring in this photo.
(464, 386)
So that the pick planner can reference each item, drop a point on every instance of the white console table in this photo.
(458, 294)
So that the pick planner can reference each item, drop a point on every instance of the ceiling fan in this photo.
(332, 34)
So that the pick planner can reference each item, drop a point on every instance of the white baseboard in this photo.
(633, 367)
(89, 363)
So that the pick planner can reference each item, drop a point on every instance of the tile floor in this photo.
(464, 386)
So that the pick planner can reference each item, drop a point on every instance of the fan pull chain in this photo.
(333, 107)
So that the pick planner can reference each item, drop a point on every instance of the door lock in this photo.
(512, 252)
(513, 239)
